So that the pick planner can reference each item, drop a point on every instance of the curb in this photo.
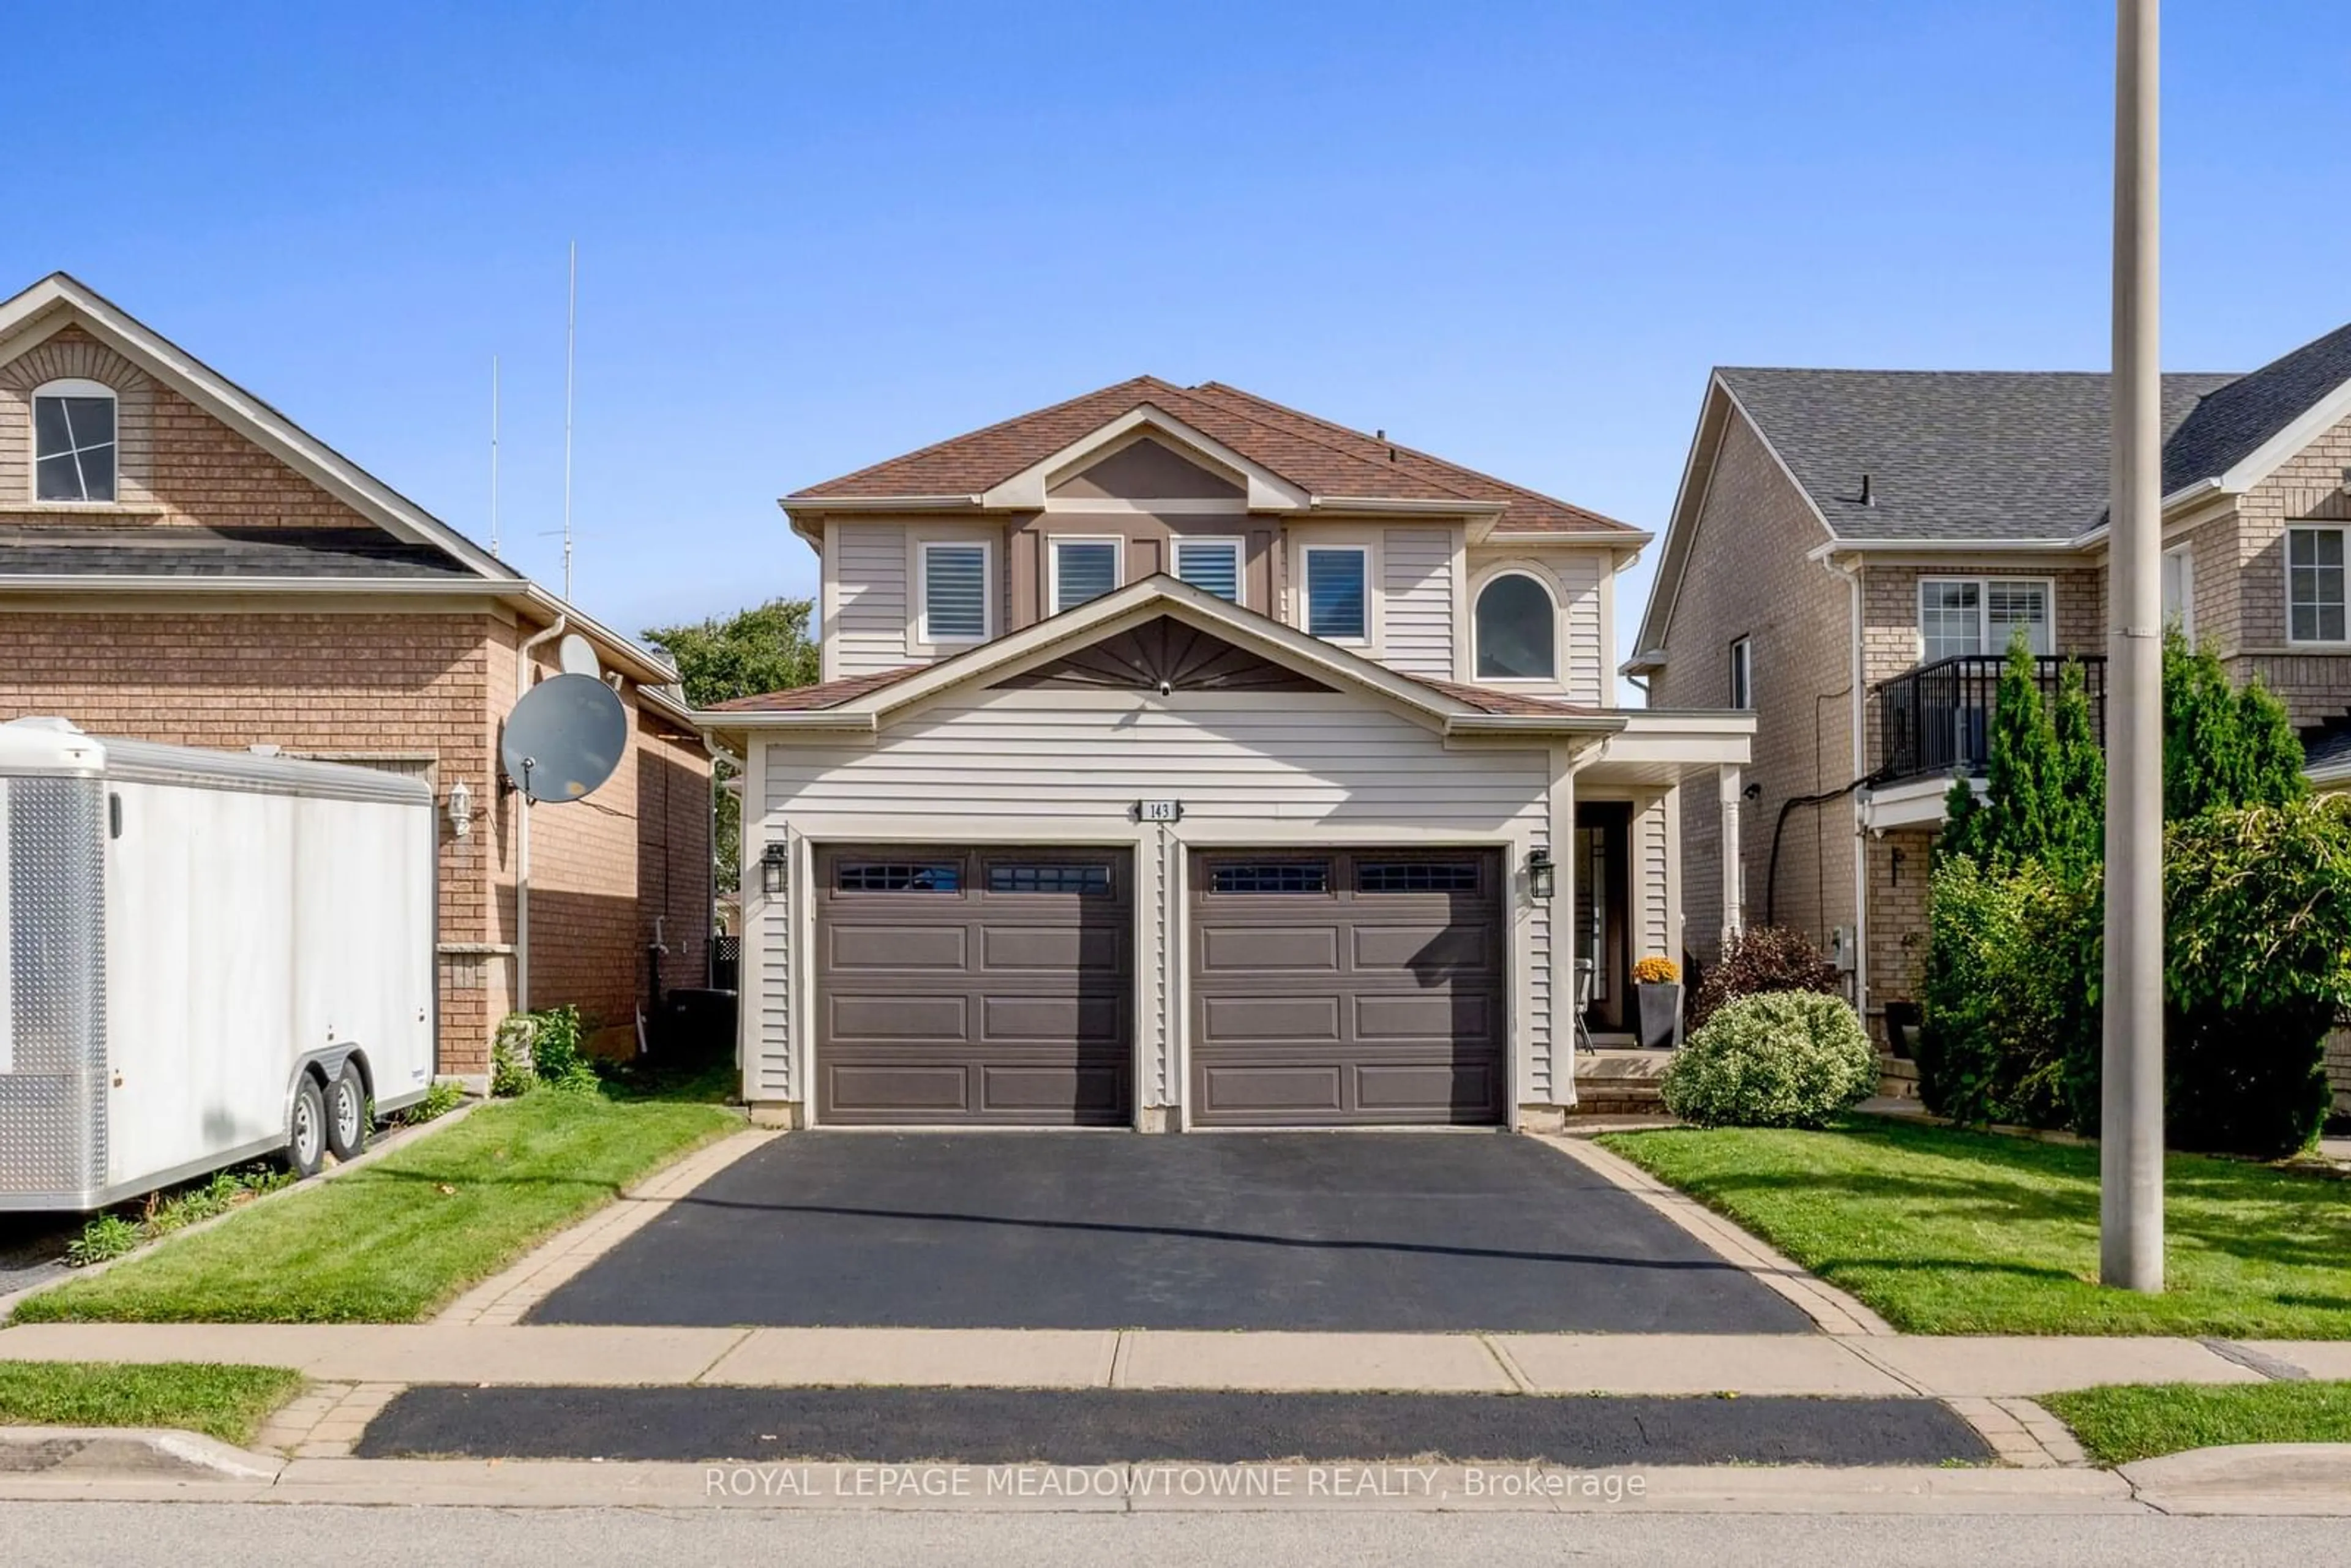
(140, 1465)
(377, 1148)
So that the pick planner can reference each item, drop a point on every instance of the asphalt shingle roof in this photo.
(1950, 455)
(2235, 421)
(177, 551)
(1313, 453)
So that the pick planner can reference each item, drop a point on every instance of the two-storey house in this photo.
(181, 562)
(1852, 552)
(1182, 759)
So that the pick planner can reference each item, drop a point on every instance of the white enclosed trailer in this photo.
(204, 956)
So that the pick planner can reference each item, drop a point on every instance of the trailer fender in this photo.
(326, 1066)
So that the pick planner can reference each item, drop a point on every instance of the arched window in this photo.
(1517, 631)
(73, 441)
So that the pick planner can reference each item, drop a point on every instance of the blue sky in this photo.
(814, 236)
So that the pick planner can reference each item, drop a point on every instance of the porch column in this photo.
(1734, 892)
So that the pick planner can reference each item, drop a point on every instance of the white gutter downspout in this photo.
(1852, 576)
(522, 833)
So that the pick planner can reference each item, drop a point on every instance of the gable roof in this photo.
(2233, 423)
(1991, 455)
(1328, 464)
(415, 550)
(863, 701)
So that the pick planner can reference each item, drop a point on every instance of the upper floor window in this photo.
(73, 442)
(1742, 673)
(2314, 575)
(954, 593)
(1337, 590)
(1213, 566)
(1980, 615)
(1083, 569)
(1517, 630)
(2179, 590)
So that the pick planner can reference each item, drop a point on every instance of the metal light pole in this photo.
(2131, 1152)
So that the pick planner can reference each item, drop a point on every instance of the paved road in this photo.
(1099, 1426)
(198, 1535)
(1349, 1231)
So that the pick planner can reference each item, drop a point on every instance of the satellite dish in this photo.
(564, 738)
(578, 656)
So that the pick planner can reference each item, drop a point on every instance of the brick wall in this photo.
(1897, 867)
(2313, 486)
(176, 464)
(351, 685)
(605, 867)
(1747, 576)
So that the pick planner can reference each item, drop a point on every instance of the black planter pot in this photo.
(1661, 1013)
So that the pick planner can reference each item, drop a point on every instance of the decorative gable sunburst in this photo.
(1167, 655)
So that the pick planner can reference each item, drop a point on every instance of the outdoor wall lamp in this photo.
(773, 859)
(461, 810)
(1543, 877)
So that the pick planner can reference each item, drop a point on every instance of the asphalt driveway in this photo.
(1327, 1231)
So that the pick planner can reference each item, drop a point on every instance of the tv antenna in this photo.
(570, 337)
(493, 455)
(561, 742)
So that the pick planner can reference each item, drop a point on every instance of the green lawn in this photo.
(225, 1402)
(2140, 1420)
(1952, 1232)
(393, 1242)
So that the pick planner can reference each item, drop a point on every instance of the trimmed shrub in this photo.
(2257, 918)
(1763, 958)
(1780, 1059)
(2007, 1012)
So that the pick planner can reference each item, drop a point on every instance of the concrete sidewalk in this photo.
(2305, 1480)
(587, 1355)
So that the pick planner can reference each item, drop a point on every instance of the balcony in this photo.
(1936, 718)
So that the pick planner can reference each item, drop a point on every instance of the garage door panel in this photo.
(1425, 953)
(962, 986)
(1029, 1019)
(1227, 1020)
(898, 1018)
(1435, 1016)
(1099, 948)
(1351, 986)
(893, 946)
(1272, 1091)
(1424, 1091)
(1269, 949)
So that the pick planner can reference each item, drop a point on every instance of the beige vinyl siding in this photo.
(1417, 579)
(1653, 882)
(1584, 663)
(871, 596)
(1069, 765)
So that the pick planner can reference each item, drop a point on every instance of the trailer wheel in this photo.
(306, 1129)
(346, 1113)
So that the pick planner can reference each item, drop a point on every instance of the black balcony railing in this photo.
(1937, 717)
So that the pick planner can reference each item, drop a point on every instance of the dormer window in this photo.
(1517, 628)
(1338, 603)
(73, 442)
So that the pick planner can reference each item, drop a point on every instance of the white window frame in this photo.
(2286, 550)
(2048, 586)
(1177, 543)
(1306, 554)
(68, 386)
(2185, 555)
(1053, 543)
(1558, 642)
(1743, 674)
(923, 548)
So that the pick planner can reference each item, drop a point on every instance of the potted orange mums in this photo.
(1658, 982)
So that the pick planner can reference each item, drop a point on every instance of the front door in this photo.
(1603, 833)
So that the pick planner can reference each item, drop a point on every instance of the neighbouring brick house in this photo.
(1850, 551)
(179, 562)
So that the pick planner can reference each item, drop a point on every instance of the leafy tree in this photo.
(767, 648)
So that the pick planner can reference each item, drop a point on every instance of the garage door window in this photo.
(1416, 876)
(1290, 876)
(899, 876)
(1088, 881)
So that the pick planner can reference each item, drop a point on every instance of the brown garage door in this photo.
(1356, 986)
(973, 986)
